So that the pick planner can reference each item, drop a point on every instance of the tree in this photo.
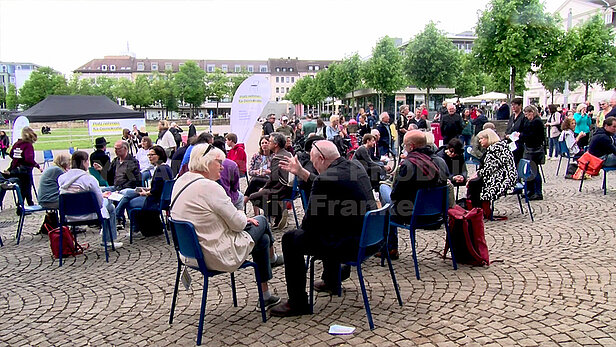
(123, 89)
(218, 86)
(141, 95)
(298, 90)
(190, 84)
(236, 80)
(164, 91)
(104, 86)
(347, 77)
(593, 54)
(554, 69)
(12, 100)
(512, 36)
(431, 60)
(383, 71)
(42, 82)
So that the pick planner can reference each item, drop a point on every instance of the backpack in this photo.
(69, 246)
(468, 241)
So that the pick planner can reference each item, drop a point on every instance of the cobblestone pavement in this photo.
(552, 283)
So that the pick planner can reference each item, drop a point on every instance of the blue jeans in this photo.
(129, 194)
(466, 139)
(554, 146)
(385, 197)
(109, 224)
(610, 160)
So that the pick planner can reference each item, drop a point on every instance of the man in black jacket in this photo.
(374, 169)
(479, 122)
(603, 144)
(384, 141)
(124, 169)
(515, 124)
(192, 131)
(331, 227)
(268, 126)
(451, 124)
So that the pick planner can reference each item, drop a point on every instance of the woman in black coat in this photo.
(532, 135)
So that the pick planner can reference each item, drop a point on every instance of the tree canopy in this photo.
(383, 71)
(42, 82)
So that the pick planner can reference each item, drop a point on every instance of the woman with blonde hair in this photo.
(23, 162)
(49, 190)
(225, 234)
(496, 173)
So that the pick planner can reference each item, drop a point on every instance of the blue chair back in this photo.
(375, 224)
(524, 170)
(48, 155)
(165, 197)
(186, 242)
(71, 150)
(295, 192)
(78, 204)
(564, 150)
(430, 201)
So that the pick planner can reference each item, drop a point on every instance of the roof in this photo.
(76, 107)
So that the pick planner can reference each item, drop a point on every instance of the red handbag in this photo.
(589, 163)
(69, 246)
(468, 242)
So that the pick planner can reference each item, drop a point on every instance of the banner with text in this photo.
(248, 103)
(99, 127)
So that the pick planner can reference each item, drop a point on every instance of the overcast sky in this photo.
(67, 34)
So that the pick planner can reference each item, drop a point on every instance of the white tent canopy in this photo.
(491, 96)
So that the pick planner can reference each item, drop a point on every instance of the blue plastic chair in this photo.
(165, 201)
(605, 171)
(187, 244)
(521, 188)
(469, 159)
(79, 204)
(71, 150)
(25, 210)
(372, 235)
(294, 194)
(564, 153)
(48, 157)
(430, 203)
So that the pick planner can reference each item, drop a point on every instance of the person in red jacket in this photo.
(23, 162)
(236, 153)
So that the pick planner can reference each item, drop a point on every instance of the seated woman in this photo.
(144, 161)
(225, 234)
(49, 190)
(567, 135)
(260, 170)
(230, 177)
(496, 173)
(147, 198)
(77, 180)
(453, 155)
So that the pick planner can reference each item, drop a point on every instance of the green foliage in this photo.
(347, 75)
(298, 90)
(42, 82)
(164, 91)
(190, 84)
(236, 80)
(141, 95)
(104, 86)
(431, 59)
(513, 33)
(383, 71)
(324, 85)
(593, 55)
(123, 89)
(2, 97)
(12, 100)
(217, 85)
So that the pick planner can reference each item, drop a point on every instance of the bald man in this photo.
(418, 170)
(341, 196)
(451, 124)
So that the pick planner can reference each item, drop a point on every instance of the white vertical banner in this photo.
(248, 103)
(19, 123)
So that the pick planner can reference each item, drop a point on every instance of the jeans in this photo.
(262, 236)
(110, 223)
(610, 160)
(239, 203)
(466, 140)
(554, 146)
(385, 197)
(535, 182)
(129, 194)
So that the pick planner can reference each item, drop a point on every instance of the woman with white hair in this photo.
(225, 234)
(583, 123)
(49, 190)
(496, 173)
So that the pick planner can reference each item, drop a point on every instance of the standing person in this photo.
(515, 124)
(479, 122)
(130, 141)
(502, 112)
(384, 141)
(424, 112)
(451, 124)
(138, 133)
(605, 109)
(268, 126)
(373, 116)
(467, 130)
(236, 153)
(285, 128)
(165, 138)
(612, 112)
(583, 123)
(554, 125)
(532, 135)
(419, 120)
(23, 162)
(192, 131)
(362, 127)
(4, 143)
(101, 158)
(403, 122)
(309, 127)
(176, 131)
(444, 109)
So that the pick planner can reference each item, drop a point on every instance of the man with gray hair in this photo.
(124, 169)
(332, 225)
(451, 124)
(278, 187)
(384, 142)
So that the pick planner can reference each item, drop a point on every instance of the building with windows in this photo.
(15, 73)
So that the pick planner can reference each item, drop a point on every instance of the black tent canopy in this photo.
(57, 108)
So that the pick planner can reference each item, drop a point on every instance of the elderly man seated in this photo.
(330, 230)
(376, 170)
(225, 234)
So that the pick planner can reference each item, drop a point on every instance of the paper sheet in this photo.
(340, 330)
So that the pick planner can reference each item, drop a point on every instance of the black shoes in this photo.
(535, 197)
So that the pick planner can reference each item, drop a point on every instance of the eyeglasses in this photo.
(315, 146)
(208, 150)
(151, 154)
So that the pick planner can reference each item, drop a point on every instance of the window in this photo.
(310, 68)
(291, 69)
(210, 67)
(237, 68)
(168, 67)
(140, 66)
(277, 90)
(17, 67)
(225, 67)
(180, 64)
(316, 68)
(154, 66)
(277, 80)
(287, 89)
(12, 79)
(112, 67)
(251, 68)
(287, 80)
(292, 79)
(284, 69)
(277, 99)
(277, 69)
(3, 68)
(104, 67)
(263, 68)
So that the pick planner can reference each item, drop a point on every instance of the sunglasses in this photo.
(208, 150)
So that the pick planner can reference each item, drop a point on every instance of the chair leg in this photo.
(175, 292)
(20, 224)
(365, 296)
(164, 220)
(105, 235)
(311, 285)
(60, 245)
(393, 278)
(233, 292)
(260, 291)
(558, 168)
(604, 182)
(202, 314)
(453, 257)
(414, 253)
(582, 180)
(520, 203)
(542, 175)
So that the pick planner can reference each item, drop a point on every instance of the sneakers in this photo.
(269, 303)
(278, 262)
(393, 254)
(282, 223)
(116, 244)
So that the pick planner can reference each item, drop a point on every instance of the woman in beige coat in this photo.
(225, 234)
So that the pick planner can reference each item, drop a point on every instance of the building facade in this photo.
(15, 73)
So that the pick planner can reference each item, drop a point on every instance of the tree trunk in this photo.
(353, 103)
(553, 90)
(586, 91)
(512, 84)
(217, 107)
(428, 101)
